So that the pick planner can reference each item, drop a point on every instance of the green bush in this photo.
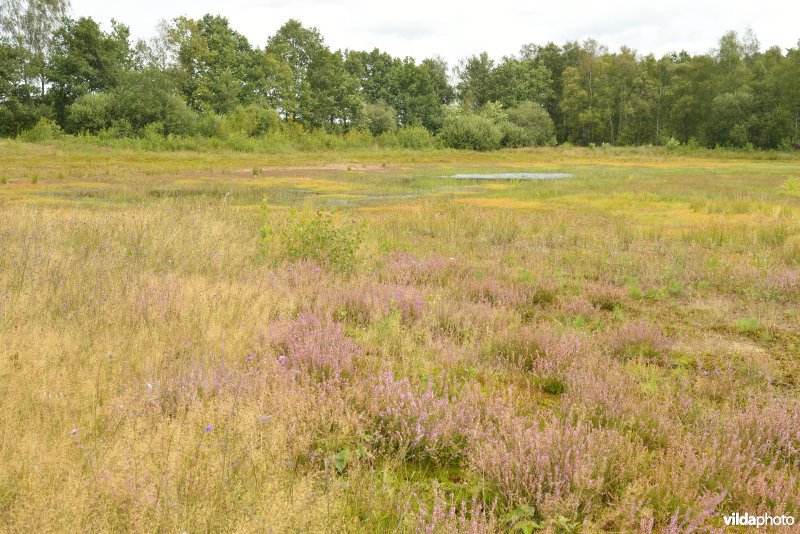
(44, 130)
(253, 121)
(89, 113)
(316, 237)
(179, 118)
(472, 132)
(515, 136)
(534, 120)
(146, 97)
(380, 118)
(387, 140)
(415, 137)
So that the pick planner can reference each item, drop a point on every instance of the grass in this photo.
(345, 341)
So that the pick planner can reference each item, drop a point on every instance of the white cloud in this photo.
(454, 30)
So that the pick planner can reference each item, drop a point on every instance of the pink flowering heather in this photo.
(606, 296)
(540, 349)
(786, 281)
(404, 268)
(558, 467)
(446, 517)
(418, 422)
(193, 383)
(578, 306)
(363, 302)
(638, 339)
(316, 347)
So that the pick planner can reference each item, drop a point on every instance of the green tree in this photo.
(298, 48)
(30, 26)
(515, 81)
(474, 75)
(19, 106)
(218, 69)
(84, 59)
(380, 117)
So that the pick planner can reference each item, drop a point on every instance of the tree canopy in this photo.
(201, 76)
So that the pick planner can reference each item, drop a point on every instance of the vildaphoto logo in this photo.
(746, 520)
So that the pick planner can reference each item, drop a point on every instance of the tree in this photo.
(298, 48)
(380, 117)
(515, 81)
(474, 74)
(332, 99)
(534, 121)
(219, 70)
(30, 25)
(19, 109)
(85, 59)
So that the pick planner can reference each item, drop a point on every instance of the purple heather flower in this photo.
(208, 428)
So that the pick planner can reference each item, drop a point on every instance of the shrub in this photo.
(148, 96)
(639, 339)
(447, 517)
(471, 132)
(515, 136)
(534, 121)
(363, 303)
(418, 423)
(252, 120)
(316, 237)
(44, 130)
(320, 349)
(557, 466)
(89, 113)
(415, 137)
(380, 118)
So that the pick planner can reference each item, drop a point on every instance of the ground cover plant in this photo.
(350, 341)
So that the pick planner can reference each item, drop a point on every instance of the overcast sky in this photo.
(456, 29)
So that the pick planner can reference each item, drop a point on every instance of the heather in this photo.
(349, 341)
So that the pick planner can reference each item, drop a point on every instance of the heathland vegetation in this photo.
(242, 290)
(347, 341)
(201, 79)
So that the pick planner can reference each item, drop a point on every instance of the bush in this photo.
(253, 120)
(515, 136)
(534, 120)
(315, 237)
(415, 137)
(89, 113)
(148, 96)
(44, 130)
(471, 132)
(380, 117)
(179, 118)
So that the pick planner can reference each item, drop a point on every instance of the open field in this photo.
(185, 346)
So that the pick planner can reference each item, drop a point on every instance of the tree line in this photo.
(200, 77)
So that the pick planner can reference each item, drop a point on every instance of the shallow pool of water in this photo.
(514, 176)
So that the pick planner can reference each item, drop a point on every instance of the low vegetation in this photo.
(346, 340)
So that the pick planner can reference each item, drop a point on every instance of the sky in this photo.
(457, 29)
